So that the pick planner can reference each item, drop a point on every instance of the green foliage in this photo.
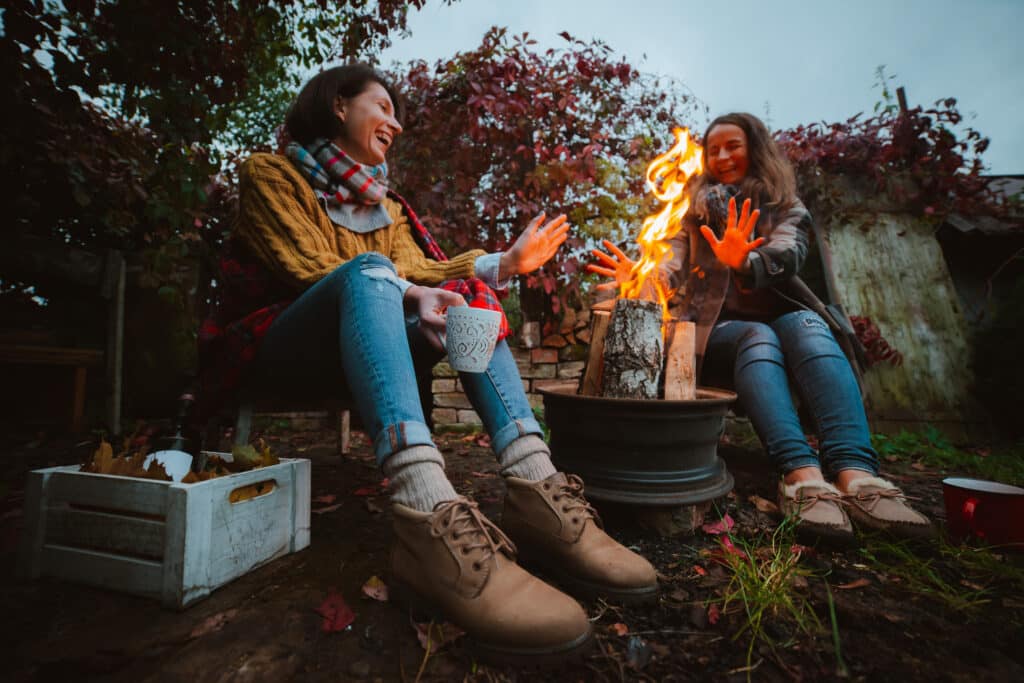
(932, 449)
(123, 111)
(959, 578)
(765, 572)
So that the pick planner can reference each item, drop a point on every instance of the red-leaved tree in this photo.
(498, 134)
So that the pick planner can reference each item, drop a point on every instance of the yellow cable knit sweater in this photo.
(284, 224)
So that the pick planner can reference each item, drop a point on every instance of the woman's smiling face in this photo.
(726, 149)
(369, 125)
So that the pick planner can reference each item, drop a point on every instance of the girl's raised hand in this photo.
(615, 264)
(735, 245)
(534, 247)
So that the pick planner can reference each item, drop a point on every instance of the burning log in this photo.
(680, 362)
(633, 350)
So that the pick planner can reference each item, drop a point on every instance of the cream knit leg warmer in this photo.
(417, 478)
(528, 457)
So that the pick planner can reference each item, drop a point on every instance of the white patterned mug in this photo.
(470, 336)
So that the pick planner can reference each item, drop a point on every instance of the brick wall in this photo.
(554, 361)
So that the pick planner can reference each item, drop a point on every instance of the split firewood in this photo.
(592, 378)
(633, 350)
(680, 362)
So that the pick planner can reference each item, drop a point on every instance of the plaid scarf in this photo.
(336, 177)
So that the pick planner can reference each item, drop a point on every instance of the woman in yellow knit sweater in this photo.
(363, 294)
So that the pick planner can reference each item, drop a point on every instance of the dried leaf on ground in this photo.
(764, 505)
(618, 629)
(857, 583)
(714, 614)
(721, 526)
(372, 507)
(700, 571)
(336, 613)
(213, 623)
(372, 490)
(326, 509)
(483, 475)
(326, 499)
(376, 589)
(434, 636)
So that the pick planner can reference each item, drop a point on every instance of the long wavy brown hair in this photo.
(770, 182)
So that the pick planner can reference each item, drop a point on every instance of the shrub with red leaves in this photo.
(878, 349)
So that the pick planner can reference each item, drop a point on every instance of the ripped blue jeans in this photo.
(350, 329)
(759, 361)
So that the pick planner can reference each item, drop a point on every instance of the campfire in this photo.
(637, 350)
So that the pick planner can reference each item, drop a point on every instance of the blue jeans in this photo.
(350, 329)
(759, 360)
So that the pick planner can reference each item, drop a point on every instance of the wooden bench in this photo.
(77, 273)
(79, 359)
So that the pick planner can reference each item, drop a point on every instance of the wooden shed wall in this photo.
(890, 267)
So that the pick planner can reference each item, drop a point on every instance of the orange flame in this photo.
(666, 178)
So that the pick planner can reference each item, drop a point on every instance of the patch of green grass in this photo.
(933, 449)
(538, 412)
(765, 574)
(961, 578)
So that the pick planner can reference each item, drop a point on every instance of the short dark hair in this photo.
(311, 115)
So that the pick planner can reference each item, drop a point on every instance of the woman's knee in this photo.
(805, 332)
(758, 343)
(366, 268)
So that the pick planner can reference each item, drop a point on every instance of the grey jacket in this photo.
(701, 281)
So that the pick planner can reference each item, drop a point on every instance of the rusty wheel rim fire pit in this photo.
(641, 451)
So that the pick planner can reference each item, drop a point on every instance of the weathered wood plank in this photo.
(103, 531)
(108, 492)
(680, 362)
(594, 375)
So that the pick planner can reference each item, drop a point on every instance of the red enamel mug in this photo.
(987, 510)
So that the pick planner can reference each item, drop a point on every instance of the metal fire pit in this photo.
(639, 451)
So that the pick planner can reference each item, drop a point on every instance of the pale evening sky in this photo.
(802, 61)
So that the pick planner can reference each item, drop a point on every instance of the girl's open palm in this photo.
(615, 264)
(735, 245)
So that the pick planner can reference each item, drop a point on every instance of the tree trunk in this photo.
(633, 350)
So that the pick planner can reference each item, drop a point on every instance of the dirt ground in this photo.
(265, 627)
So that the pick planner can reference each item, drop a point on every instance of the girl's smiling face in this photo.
(726, 149)
(369, 125)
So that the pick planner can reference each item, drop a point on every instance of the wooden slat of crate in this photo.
(108, 492)
(101, 531)
(124, 574)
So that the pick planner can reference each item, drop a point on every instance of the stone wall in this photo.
(552, 362)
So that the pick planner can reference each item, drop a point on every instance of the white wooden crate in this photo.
(159, 539)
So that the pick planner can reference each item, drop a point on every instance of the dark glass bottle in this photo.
(183, 436)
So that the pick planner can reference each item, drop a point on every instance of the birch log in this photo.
(633, 350)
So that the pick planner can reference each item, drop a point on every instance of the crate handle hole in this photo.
(250, 491)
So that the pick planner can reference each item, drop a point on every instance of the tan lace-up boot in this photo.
(556, 528)
(455, 564)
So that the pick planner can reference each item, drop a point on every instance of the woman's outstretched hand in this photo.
(733, 248)
(430, 304)
(534, 247)
(615, 264)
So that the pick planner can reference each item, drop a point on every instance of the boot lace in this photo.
(462, 519)
(570, 496)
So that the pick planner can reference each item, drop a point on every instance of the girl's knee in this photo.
(758, 343)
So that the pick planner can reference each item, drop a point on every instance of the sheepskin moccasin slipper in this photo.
(818, 507)
(874, 503)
